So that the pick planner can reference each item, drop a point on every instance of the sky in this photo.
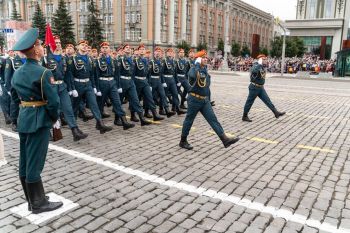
(284, 9)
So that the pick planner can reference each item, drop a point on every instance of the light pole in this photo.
(283, 46)
(224, 66)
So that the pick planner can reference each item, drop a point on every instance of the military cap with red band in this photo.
(104, 43)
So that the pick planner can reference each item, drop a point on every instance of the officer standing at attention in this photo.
(256, 89)
(171, 81)
(5, 98)
(198, 101)
(56, 63)
(33, 89)
(12, 64)
(141, 81)
(127, 85)
(106, 75)
(81, 70)
(181, 70)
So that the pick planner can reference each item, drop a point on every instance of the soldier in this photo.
(171, 81)
(141, 82)
(106, 75)
(94, 54)
(256, 89)
(82, 71)
(127, 85)
(12, 64)
(56, 63)
(157, 82)
(198, 101)
(181, 70)
(34, 90)
(5, 98)
(191, 59)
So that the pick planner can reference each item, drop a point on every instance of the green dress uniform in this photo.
(198, 101)
(181, 70)
(33, 90)
(256, 89)
(12, 64)
(5, 98)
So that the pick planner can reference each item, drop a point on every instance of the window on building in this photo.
(312, 8)
(328, 9)
(139, 18)
(127, 17)
(127, 34)
(111, 18)
(127, 2)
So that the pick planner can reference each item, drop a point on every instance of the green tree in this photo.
(221, 46)
(202, 46)
(294, 47)
(235, 49)
(15, 15)
(62, 24)
(184, 45)
(39, 22)
(264, 51)
(245, 51)
(93, 29)
(276, 47)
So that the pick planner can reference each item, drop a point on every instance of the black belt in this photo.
(257, 85)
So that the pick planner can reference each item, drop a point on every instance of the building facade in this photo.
(163, 23)
(323, 25)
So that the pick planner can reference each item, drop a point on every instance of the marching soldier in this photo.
(81, 70)
(12, 64)
(142, 85)
(158, 84)
(256, 89)
(171, 81)
(127, 85)
(34, 90)
(181, 70)
(106, 75)
(56, 63)
(5, 98)
(198, 101)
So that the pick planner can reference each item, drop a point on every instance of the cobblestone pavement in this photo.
(285, 175)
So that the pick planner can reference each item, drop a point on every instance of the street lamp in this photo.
(277, 21)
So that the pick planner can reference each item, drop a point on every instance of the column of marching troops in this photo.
(37, 91)
(87, 80)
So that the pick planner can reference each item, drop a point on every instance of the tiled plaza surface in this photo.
(285, 175)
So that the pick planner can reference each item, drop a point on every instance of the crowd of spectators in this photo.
(308, 63)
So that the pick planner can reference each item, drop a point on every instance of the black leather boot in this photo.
(184, 143)
(102, 127)
(227, 141)
(125, 123)
(169, 113)
(246, 118)
(143, 120)
(117, 121)
(14, 125)
(37, 199)
(147, 114)
(134, 117)
(180, 111)
(156, 116)
(278, 114)
(78, 134)
(85, 116)
(24, 186)
(7, 119)
(63, 121)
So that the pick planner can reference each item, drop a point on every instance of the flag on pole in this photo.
(49, 40)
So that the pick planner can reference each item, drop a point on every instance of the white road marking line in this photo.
(22, 210)
(3, 162)
(287, 215)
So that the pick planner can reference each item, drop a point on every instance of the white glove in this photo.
(57, 125)
(9, 93)
(95, 91)
(150, 88)
(178, 84)
(120, 90)
(164, 85)
(75, 93)
(70, 93)
(99, 93)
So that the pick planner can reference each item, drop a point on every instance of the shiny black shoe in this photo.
(180, 111)
(102, 127)
(246, 118)
(156, 116)
(169, 113)
(143, 120)
(78, 134)
(134, 117)
(147, 114)
(7, 119)
(162, 112)
(278, 114)
(227, 141)
(126, 125)
(117, 121)
(184, 143)
(212, 103)
(183, 106)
